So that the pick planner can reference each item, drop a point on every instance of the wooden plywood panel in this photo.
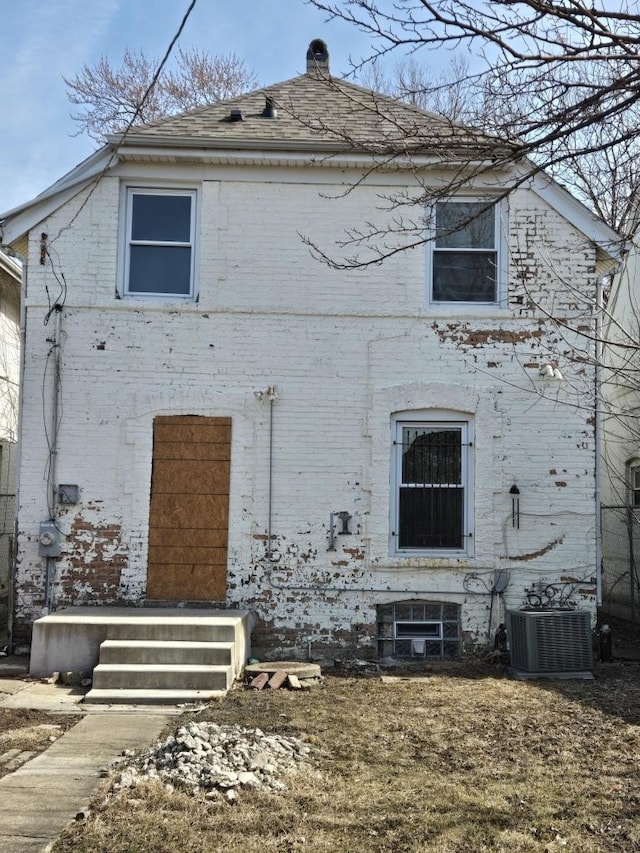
(183, 554)
(188, 525)
(195, 511)
(173, 477)
(188, 537)
(199, 420)
(177, 580)
(188, 433)
(204, 450)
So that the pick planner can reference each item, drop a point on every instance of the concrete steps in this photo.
(149, 656)
(155, 661)
(188, 630)
(162, 676)
(152, 697)
(165, 652)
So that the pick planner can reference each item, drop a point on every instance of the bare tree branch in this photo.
(562, 78)
(112, 97)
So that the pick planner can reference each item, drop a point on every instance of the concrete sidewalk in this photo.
(42, 796)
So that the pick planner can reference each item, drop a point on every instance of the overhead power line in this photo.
(132, 120)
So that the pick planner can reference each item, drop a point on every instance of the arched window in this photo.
(432, 483)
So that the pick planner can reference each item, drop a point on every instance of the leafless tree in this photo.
(604, 174)
(562, 80)
(111, 97)
(448, 93)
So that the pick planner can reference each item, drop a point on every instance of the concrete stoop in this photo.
(145, 656)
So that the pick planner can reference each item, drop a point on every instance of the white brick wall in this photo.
(345, 350)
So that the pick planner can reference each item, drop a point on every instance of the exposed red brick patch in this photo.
(540, 553)
(356, 553)
(93, 561)
(468, 336)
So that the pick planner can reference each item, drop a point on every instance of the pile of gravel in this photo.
(206, 759)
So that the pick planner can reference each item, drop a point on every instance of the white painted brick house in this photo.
(211, 414)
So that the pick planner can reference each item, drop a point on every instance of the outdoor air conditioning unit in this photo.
(550, 643)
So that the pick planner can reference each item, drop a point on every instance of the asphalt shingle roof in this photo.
(316, 110)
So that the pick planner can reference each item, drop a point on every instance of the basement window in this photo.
(159, 256)
(419, 629)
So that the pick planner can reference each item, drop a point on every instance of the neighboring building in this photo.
(621, 443)
(10, 278)
(381, 458)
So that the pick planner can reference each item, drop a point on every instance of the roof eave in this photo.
(288, 144)
(138, 148)
(11, 267)
(19, 220)
(579, 215)
(224, 143)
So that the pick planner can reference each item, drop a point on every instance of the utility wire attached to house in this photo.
(96, 181)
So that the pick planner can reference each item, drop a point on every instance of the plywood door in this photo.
(189, 517)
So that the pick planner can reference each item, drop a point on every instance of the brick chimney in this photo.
(318, 58)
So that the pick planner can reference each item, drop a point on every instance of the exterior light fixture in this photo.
(514, 491)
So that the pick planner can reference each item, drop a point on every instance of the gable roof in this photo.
(317, 111)
(312, 113)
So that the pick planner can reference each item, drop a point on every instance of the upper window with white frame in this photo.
(159, 243)
(465, 251)
(432, 485)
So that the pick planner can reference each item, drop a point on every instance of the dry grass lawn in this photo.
(32, 731)
(466, 761)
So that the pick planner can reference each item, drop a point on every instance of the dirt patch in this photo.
(456, 761)
(29, 731)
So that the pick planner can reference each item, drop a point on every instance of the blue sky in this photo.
(43, 40)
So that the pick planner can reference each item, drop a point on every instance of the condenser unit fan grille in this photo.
(550, 641)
